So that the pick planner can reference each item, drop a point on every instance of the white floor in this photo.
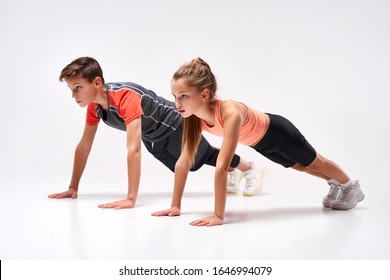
(286, 221)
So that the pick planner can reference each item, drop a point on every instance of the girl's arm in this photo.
(182, 168)
(233, 117)
(80, 160)
(133, 166)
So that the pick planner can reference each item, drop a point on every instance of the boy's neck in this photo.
(101, 98)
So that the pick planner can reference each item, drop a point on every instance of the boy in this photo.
(143, 115)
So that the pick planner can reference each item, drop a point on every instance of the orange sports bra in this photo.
(252, 130)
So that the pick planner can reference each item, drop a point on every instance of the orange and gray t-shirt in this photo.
(128, 101)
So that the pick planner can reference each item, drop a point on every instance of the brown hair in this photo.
(84, 67)
(196, 73)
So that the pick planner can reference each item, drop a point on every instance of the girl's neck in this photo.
(207, 113)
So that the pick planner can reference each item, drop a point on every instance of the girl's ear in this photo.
(205, 94)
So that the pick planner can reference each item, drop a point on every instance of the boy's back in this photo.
(128, 101)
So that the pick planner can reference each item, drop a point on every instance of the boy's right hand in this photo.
(69, 193)
(171, 212)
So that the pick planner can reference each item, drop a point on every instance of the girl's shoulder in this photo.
(231, 107)
(228, 104)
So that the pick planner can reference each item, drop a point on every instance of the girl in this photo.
(194, 89)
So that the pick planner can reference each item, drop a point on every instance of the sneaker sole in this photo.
(335, 206)
(327, 204)
(262, 173)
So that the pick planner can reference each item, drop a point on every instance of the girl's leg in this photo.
(325, 169)
(299, 167)
(344, 194)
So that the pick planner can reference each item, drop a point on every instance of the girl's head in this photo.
(192, 84)
(197, 73)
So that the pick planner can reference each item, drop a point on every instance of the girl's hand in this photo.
(173, 211)
(121, 204)
(69, 193)
(208, 221)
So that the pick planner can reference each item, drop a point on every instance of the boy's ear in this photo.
(98, 81)
(205, 94)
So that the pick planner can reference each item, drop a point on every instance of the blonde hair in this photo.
(196, 73)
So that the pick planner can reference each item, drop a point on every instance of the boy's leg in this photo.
(206, 154)
(159, 151)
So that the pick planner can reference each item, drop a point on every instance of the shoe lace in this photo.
(250, 178)
(334, 191)
(232, 176)
(342, 193)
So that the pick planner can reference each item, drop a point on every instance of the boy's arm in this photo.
(182, 168)
(80, 160)
(133, 166)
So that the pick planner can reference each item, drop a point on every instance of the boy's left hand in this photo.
(120, 204)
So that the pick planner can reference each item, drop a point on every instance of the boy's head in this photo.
(84, 67)
(84, 77)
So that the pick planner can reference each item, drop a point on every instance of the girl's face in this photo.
(83, 91)
(188, 99)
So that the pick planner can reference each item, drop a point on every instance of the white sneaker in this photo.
(253, 180)
(331, 196)
(234, 178)
(348, 197)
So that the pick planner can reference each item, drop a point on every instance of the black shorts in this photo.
(168, 151)
(283, 143)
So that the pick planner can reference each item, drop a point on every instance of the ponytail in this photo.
(192, 133)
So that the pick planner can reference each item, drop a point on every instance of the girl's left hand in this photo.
(208, 221)
(121, 204)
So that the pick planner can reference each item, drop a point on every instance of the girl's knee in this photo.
(317, 163)
(298, 167)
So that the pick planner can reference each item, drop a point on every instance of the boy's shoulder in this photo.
(117, 86)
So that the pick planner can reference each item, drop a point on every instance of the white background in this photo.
(322, 64)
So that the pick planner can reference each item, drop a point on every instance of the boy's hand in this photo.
(208, 221)
(120, 204)
(173, 211)
(69, 193)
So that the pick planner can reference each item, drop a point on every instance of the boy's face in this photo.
(83, 91)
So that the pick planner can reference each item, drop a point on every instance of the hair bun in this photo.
(200, 61)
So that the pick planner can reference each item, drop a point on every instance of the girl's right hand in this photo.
(69, 193)
(171, 212)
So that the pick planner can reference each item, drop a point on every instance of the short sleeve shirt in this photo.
(128, 101)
